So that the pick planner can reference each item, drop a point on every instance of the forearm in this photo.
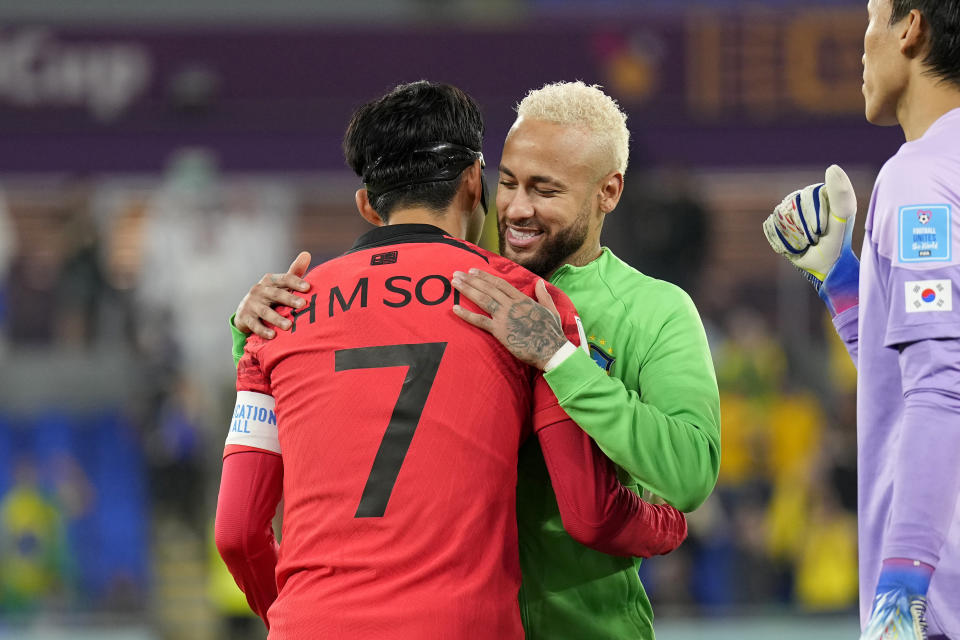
(840, 290)
(250, 490)
(675, 456)
(927, 477)
(926, 480)
(595, 508)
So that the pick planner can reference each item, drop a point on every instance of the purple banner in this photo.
(705, 89)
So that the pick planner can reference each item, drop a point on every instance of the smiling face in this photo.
(549, 196)
(885, 68)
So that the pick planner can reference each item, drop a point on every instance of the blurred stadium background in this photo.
(157, 157)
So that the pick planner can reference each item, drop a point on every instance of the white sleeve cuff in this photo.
(562, 354)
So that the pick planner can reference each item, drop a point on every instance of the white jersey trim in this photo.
(564, 352)
(583, 336)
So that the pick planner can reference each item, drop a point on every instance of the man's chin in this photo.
(521, 257)
(534, 264)
(540, 260)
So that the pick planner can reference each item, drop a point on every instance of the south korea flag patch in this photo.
(929, 295)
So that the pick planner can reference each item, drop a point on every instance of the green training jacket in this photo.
(647, 394)
(652, 406)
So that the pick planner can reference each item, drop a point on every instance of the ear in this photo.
(363, 206)
(611, 188)
(471, 185)
(913, 34)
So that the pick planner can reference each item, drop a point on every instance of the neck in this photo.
(582, 257)
(923, 103)
(444, 220)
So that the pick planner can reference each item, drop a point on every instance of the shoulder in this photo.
(250, 372)
(252, 347)
(526, 282)
(640, 293)
(920, 168)
(513, 273)
(316, 273)
(916, 203)
(904, 166)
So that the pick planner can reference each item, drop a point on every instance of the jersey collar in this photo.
(568, 269)
(391, 233)
(408, 233)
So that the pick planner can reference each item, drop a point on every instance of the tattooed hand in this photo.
(529, 329)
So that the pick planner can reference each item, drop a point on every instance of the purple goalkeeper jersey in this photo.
(908, 362)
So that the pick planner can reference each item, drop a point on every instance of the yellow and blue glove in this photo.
(901, 602)
(813, 228)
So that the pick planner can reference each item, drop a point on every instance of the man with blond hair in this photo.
(646, 391)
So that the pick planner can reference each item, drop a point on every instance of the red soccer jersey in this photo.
(399, 426)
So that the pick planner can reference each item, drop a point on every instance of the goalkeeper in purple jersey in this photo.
(898, 312)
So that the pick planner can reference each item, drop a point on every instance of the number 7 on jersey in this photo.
(423, 361)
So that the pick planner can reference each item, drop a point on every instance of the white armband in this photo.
(254, 422)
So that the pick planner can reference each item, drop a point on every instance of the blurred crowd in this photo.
(780, 528)
(109, 466)
(114, 303)
(779, 531)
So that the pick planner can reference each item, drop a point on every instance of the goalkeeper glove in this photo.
(813, 228)
(900, 603)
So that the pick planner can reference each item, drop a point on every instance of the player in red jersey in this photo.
(400, 425)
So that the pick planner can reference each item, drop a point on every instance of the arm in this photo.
(926, 484)
(251, 485)
(920, 461)
(668, 438)
(926, 477)
(666, 433)
(597, 511)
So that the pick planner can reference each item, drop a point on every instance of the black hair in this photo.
(943, 16)
(386, 140)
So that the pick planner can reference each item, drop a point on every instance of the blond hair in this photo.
(583, 105)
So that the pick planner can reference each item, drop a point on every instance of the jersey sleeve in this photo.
(251, 485)
(253, 425)
(597, 511)
(572, 327)
(926, 476)
(595, 508)
(917, 232)
(666, 433)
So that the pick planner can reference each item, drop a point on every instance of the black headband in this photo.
(454, 158)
